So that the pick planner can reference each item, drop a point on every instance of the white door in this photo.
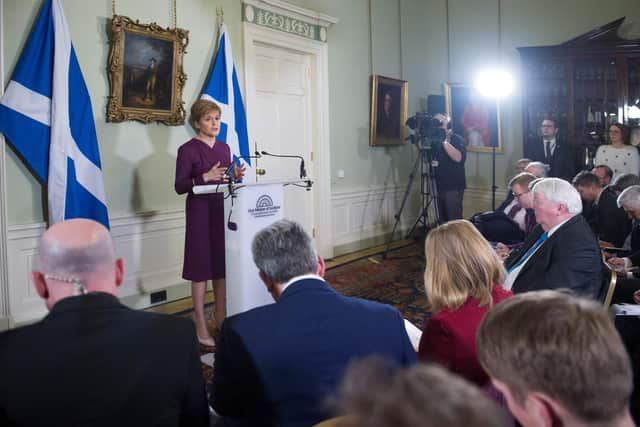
(281, 123)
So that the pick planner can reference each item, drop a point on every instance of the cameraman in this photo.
(448, 162)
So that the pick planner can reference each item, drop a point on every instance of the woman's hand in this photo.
(636, 297)
(216, 173)
(239, 172)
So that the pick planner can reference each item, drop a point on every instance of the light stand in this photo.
(495, 84)
(493, 177)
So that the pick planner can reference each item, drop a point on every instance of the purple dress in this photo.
(204, 235)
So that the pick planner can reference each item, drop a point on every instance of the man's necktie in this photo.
(527, 254)
(548, 151)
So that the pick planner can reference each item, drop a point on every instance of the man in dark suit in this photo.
(277, 364)
(552, 150)
(609, 222)
(91, 360)
(629, 200)
(561, 251)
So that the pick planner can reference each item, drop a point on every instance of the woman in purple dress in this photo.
(203, 160)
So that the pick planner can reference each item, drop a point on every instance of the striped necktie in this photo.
(544, 236)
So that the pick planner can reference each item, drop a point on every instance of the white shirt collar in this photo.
(298, 278)
(554, 229)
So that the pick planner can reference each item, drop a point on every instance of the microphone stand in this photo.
(303, 172)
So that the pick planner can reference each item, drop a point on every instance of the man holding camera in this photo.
(448, 162)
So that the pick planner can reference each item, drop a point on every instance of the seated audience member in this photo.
(521, 164)
(629, 200)
(608, 221)
(276, 364)
(624, 181)
(91, 360)
(561, 251)
(374, 394)
(462, 281)
(604, 174)
(510, 224)
(558, 360)
(519, 185)
(539, 169)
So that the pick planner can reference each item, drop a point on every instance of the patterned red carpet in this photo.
(396, 280)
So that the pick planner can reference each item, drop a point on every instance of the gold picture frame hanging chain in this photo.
(174, 12)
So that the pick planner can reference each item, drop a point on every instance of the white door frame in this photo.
(320, 137)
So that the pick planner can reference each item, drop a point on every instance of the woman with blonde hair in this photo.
(462, 281)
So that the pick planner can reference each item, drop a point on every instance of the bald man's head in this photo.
(78, 250)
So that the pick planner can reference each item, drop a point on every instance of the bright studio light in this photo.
(494, 83)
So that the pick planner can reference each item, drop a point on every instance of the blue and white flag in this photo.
(223, 89)
(46, 115)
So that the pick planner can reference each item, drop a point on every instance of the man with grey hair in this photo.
(629, 200)
(277, 364)
(91, 360)
(561, 251)
(539, 169)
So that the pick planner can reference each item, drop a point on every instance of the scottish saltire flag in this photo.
(46, 115)
(223, 89)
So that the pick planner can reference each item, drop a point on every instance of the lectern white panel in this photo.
(254, 207)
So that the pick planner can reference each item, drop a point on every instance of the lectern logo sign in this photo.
(264, 207)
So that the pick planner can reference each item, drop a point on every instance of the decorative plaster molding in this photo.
(282, 16)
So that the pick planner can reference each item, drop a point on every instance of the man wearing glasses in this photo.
(551, 150)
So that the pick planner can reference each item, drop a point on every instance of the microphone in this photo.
(303, 172)
(233, 162)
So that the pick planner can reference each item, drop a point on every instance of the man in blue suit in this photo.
(278, 364)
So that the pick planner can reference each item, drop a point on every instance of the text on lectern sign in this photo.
(264, 207)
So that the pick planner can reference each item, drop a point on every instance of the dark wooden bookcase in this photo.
(586, 84)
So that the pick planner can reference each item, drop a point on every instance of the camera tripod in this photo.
(428, 196)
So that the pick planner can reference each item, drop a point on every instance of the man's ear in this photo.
(321, 266)
(40, 284)
(119, 271)
(267, 281)
(545, 409)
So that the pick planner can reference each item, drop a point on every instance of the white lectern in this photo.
(252, 207)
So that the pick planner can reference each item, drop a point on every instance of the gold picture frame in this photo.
(145, 71)
(389, 99)
(474, 117)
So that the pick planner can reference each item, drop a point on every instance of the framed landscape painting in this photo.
(145, 72)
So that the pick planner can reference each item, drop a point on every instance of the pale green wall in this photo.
(398, 38)
(137, 160)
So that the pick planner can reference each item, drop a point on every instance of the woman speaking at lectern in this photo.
(204, 160)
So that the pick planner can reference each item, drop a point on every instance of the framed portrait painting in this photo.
(145, 72)
(474, 117)
(388, 111)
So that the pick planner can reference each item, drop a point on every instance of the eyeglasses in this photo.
(547, 126)
(518, 195)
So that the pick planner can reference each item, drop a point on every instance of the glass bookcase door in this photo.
(632, 114)
(547, 95)
(595, 103)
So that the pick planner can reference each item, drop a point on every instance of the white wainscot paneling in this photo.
(151, 245)
(360, 214)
